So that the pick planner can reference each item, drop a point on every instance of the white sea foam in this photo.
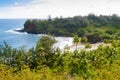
(15, 32)
(62, 42)
(20, 28)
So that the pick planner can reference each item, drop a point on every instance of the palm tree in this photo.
(76, 40)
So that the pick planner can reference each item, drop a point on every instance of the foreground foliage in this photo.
(45, 63)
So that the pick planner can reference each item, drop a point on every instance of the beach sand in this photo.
(62, 42)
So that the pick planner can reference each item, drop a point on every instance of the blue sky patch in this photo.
(5, 3)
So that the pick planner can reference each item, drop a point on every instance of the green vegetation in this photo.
(84, 39)
(46, 63)
(88, 45)
(76, 40)
(94, 28)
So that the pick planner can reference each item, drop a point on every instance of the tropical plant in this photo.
(88, 45)
(76, 40)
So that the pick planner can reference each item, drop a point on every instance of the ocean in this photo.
(16, 39)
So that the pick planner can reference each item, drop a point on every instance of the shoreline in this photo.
(22, 30)
(63, 42)
(66, 43)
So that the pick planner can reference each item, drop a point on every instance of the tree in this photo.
(45, 43)
(76, 40)
(49, 18)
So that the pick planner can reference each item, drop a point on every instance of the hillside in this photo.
(95, 28)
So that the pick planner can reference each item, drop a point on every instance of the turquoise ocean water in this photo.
(16, 39)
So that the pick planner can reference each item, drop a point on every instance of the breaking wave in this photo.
(15, 32)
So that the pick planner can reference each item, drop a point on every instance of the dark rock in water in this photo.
(27, 31)
(22, 30)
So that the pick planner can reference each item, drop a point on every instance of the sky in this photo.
(57, 8)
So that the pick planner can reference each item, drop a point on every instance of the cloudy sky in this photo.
(65, 8)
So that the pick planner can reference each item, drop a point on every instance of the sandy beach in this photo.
(62, 42)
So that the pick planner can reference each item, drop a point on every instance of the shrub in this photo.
(88, 45)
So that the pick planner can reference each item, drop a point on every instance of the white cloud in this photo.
(65, 8)
(38, 1)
